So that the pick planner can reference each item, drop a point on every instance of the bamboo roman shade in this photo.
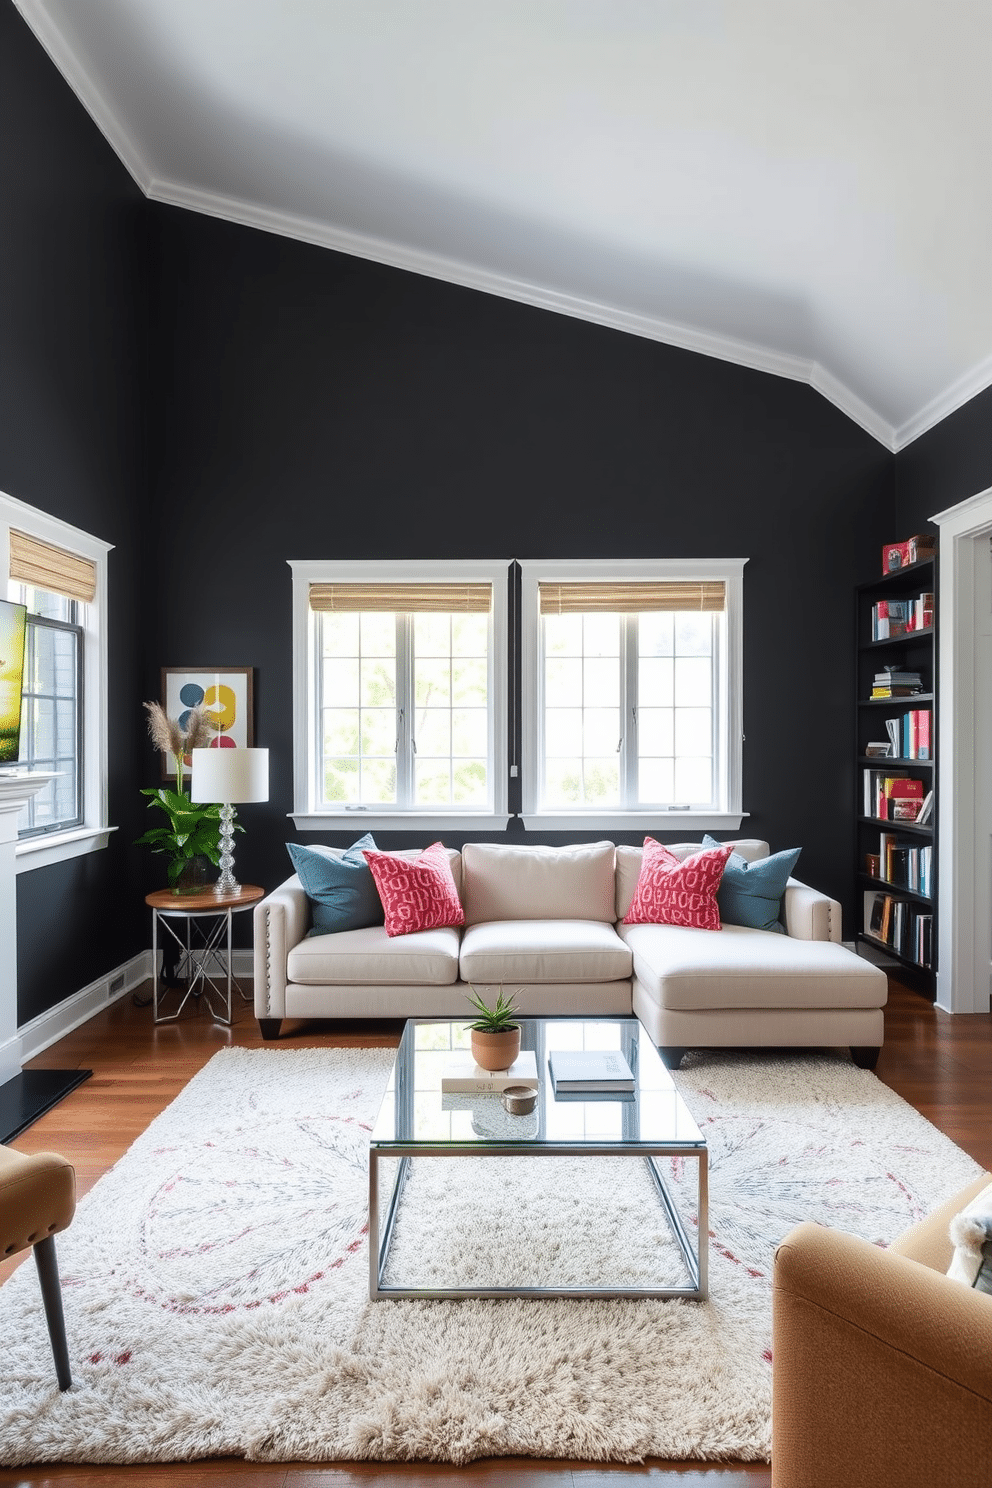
(45, 566)
(465, 599)
(633, 598)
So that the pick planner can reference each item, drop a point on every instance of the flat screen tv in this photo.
(13, 625)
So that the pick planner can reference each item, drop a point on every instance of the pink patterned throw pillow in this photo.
(417, 894)
(670, 892)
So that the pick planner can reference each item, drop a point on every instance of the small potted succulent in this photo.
(495, 1033)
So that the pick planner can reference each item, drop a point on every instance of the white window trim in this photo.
(537, 571)
(94, 832)
(305, 814)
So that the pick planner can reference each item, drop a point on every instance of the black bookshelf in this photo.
(915, 650)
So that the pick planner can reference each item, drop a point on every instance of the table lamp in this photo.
(229, 777)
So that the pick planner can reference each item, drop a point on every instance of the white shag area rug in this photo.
(216, 1280)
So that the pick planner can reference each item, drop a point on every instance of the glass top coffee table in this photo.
(417, 1120)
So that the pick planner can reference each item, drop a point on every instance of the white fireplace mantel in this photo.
(16, 789)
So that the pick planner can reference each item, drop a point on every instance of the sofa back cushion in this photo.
(629, 865)
(503, 882)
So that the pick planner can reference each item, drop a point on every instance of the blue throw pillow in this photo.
(342, 891)
(750, 894)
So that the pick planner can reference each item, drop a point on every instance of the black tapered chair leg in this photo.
(51, 1295)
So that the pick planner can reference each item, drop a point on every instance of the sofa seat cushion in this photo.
(543, 951)
(370, 956)
(735, 967)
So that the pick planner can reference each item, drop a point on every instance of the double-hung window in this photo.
(52, 709)
(400, 693)
(632, 693)
(59, 574)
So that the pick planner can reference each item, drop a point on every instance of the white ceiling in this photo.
(798, 185)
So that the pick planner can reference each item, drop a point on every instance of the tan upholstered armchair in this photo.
(37, 1199)
(882, 1367)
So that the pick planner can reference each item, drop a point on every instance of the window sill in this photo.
(39, 852)
(428, 821)
(633, 821)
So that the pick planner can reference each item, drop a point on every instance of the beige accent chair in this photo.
(882, 1366)
(37, 1199)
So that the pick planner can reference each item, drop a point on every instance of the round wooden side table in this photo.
(204, 948)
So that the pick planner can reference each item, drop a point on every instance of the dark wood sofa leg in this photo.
(270, 1027)
(51, 1295)
(865, 1057)
(672, 1057)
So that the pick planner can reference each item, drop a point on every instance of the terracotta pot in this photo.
(495, 1051)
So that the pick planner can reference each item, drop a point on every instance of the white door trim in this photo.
(962, 900)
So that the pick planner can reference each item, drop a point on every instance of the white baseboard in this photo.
(56, 1022)
(34, 1037)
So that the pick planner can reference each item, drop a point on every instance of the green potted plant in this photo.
(495, 1033)
(193, 831)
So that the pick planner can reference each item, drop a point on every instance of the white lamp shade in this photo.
(228, 777)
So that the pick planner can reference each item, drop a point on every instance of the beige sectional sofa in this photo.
(546, 924)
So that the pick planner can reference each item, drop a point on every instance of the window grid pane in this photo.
(379, 744)
(51, 711)
(582, 727)
(676, 713)
(451, 719)
(358, 706)
(671, 757)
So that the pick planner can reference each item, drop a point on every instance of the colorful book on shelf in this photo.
(886, 931)
(916, 734)
(925, 725)
(903, 788)
(891, 618)
(462, 1076)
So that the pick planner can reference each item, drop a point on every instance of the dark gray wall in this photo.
(72, 353)
(313, 404)
(946, 465)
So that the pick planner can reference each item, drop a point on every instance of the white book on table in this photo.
(461, 1075)
(575, 1070)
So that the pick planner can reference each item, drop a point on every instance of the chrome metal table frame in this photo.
(194, 963)
(695, 1258)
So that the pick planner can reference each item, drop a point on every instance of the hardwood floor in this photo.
(941, 1064)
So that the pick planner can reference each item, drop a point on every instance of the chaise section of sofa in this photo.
(744, 987)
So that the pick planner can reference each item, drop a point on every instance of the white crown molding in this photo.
(949, 401)
(841, 396)
(36, 14)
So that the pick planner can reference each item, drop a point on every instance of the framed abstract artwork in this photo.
(224, 694)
